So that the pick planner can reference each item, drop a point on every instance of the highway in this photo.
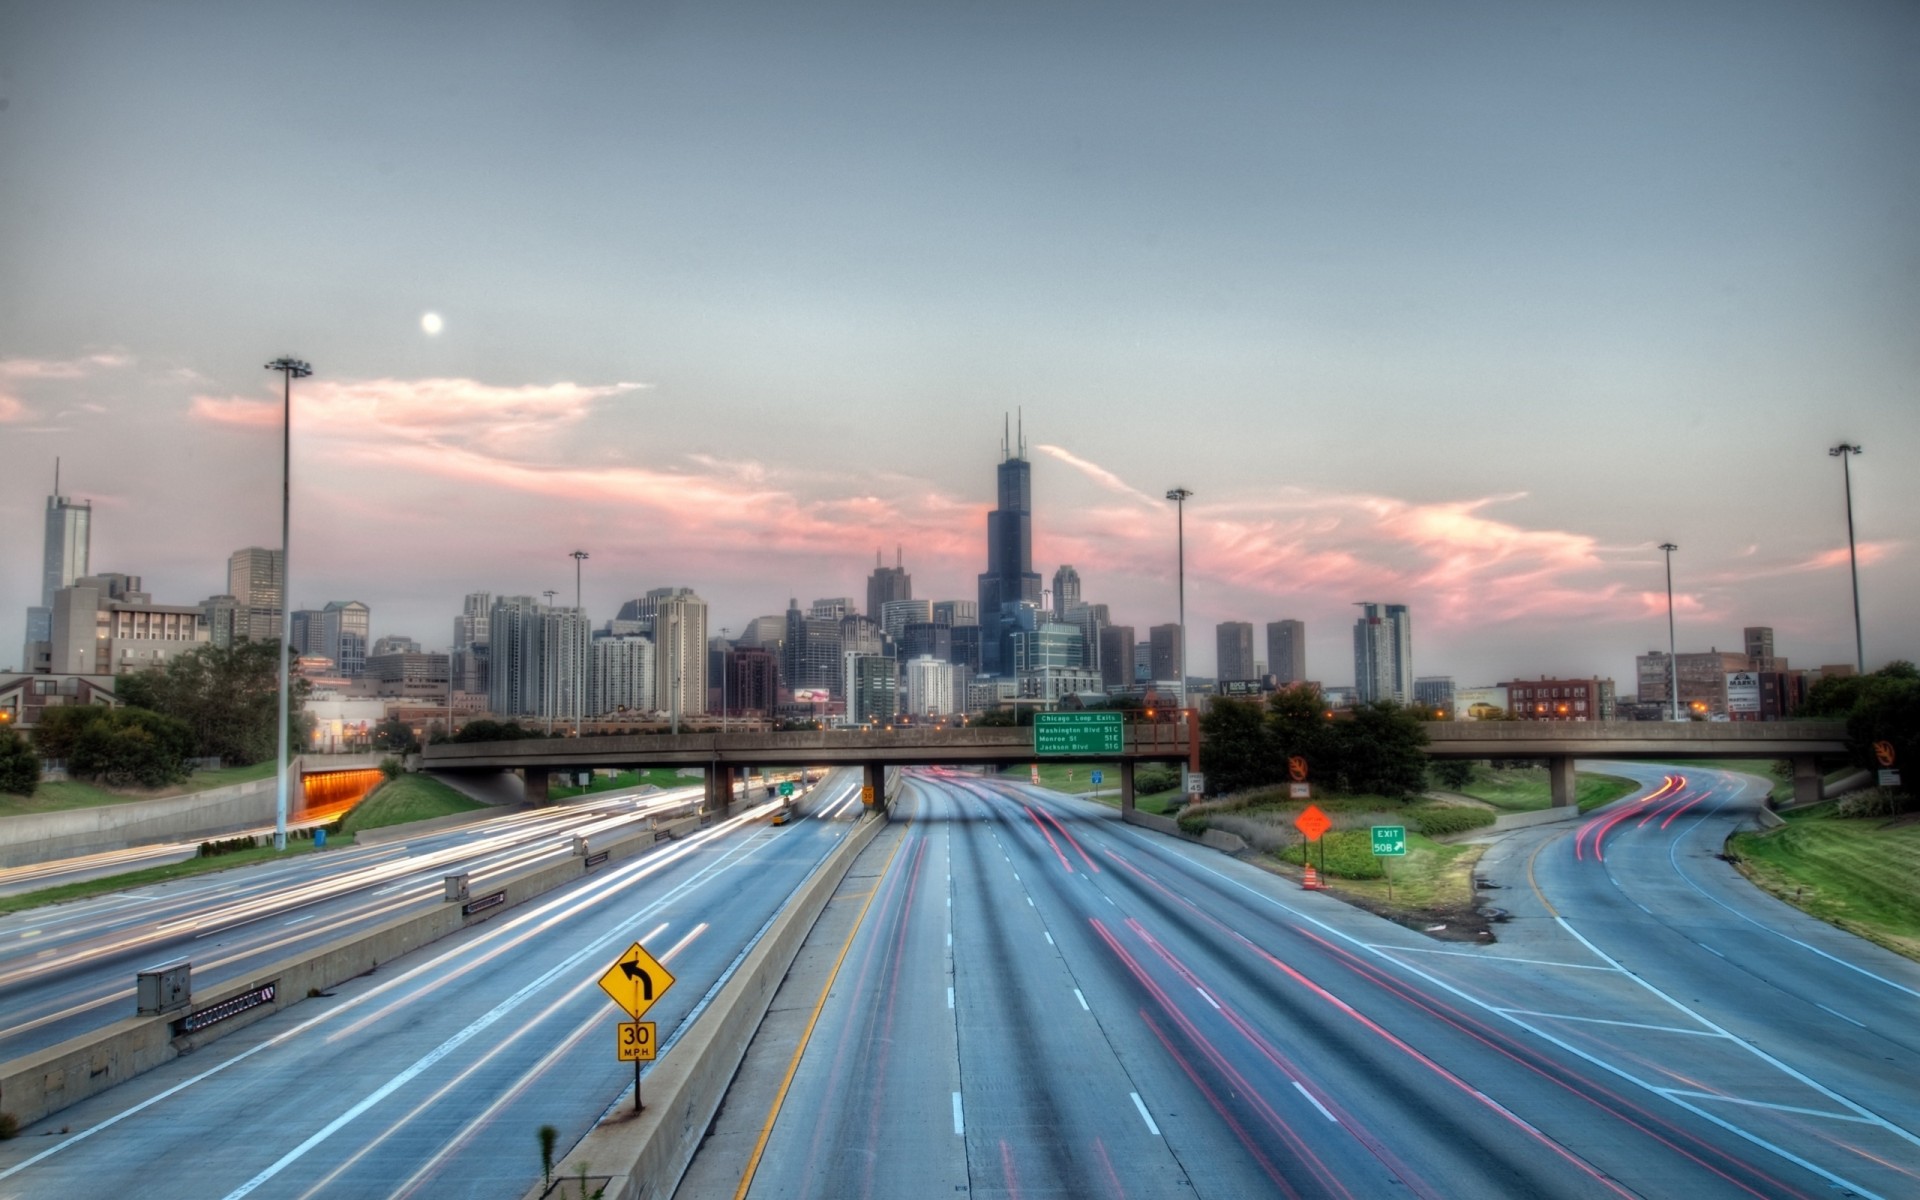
(69, 968)
(1041, 1001)
(430, 1076)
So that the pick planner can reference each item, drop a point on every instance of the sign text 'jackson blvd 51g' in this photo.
(1079, 733)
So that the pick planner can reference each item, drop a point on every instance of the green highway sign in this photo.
(786, 787)
(1389, 839)
(1079, 733)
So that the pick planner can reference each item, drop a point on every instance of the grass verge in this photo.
(1076, 779)
(62, 795)
(660, 777)
(1859, 874)
(1526, 789)
(160, 874)
(408, 798)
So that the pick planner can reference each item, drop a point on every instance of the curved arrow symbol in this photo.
(633, 971)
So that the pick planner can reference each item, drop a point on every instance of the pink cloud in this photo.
(11, 409)
(235, 410)
(60, 368)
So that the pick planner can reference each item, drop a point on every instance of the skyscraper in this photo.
(1009, 579)
(1383, 653)
(956, 612)
(256, 577)
(66, 557)
(1165, 654)
(1116, 657)
(895, 615)
(1233, 643)
(680, 654)
(1287, 651)
(470, 658)
(512, 649)
(888, 583)
(345, 626)
(1066, 590)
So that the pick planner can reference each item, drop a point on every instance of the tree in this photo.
(19, 765)
(1301, 727)
(1381, 749)
(1239, 748)
(1451, 773)
(130, 746)
(1887, 710)
(227, 695)
(61, 726)
(485, 730)
(395, 734)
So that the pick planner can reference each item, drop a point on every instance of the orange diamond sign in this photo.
(1313, 822)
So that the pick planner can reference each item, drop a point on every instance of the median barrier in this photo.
(645, 1156)
(39, 1084)
(399, 833)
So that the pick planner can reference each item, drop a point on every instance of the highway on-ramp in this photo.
(1042, 1001)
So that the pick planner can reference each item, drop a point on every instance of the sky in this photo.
(1465, 306)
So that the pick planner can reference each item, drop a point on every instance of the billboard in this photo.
(1743, 692)
(811, 695)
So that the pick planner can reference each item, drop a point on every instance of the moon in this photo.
(431, 323)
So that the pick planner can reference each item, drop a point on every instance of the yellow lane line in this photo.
(780, 1096)
(1534, 884)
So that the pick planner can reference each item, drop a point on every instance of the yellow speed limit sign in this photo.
(866, 795)
(636, 1041)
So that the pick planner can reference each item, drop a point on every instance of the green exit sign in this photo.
(1389, 839)
(1079, 733)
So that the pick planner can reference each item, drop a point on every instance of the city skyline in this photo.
(1460, 311)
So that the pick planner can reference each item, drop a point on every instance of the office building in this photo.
(1760, 655)
(956, 612)
(1164, 663)
(872, 688)
(410, 674)
(1233, 642)
(887, 584)
(256, 579)
(66, 556)
(1048, 644)
(512, 648)
(1545, 699)
(832, 608)
(345, 626)
(1287, 652)
(306, 633)
(1383, 653)
(623, 676)
(680, 661)
(1066, 591)
(923, 638)
(470, 657)
(1143, 658)
(1116, 657)
(393, 643)
(222, 613)
(105, 625)
(895, 615)
(753, 681)
(811, 658)
(929, 686)
(965, 643)
(643, 609)
(1009, 579)
(765, 633)
(1703, 680)
(1092, 621)
(1434, 691)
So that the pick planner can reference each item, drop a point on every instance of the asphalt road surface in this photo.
(1043, 1002)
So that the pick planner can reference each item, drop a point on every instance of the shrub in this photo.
(1436, 820)
(128, 746)
(1872, 802)
(1451, 773)
(19, 765)
(61, 726)
(1147, 780)
(1349, 854)
(391, 767)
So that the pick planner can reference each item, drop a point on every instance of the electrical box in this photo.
(457, 888)
(579, 846)
(164, 988)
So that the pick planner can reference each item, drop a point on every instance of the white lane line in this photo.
(1792, 1108)
(1207, 998)
(959, 1123)
(949, 997)
(1485, 958)
(1709, 949)
(1030, 903)
(1151, 1127)
(1049, 937)
(1527, 1012)
(1081, 999)
(297, 920)
(949, 939)
(1844, 1017)
(1315, 1101)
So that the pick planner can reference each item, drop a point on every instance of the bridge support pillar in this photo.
(1561, 782)
(536, 786)
(874, 775)
(719, 789)
(1126, 789)
(1807, 785)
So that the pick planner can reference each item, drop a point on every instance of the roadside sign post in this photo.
(635, 982)
(786, 787)
(1313, 825)
(1389, 841)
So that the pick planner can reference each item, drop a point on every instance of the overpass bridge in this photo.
(1559, 744)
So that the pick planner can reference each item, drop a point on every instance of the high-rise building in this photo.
(1164, 658)
(394, 643)
(1287, 651)
(680, 658)
(1233, 644)
(1760, 656)
(929, 686)
(888, 584)
(1703, 679)
(1434, 691)
(1116, 657)
(66, 556)
(623, 674)
(1009, 579)
(1143, 658)
(965, 643)
(513, 646)
(105, 625)
(256, 579)
(924, 638)
(753, 681)
(307, 632)
(1091, 620)
(1048, 644)
(344, 629)
(956, 612)
(470, 651)
(1383, 653)
(222, 613)
(832, 608)
(872, 688)
(895, 615)
(642, 610)
(1066, 590)
(810, 657)
(765, 633)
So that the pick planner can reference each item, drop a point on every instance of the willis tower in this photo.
(1009, 580)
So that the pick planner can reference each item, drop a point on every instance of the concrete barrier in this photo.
(1154, 821)
(646, 1156)
(400, 833)
(1224, 842)
(43, 837)
(1526, 820)
(37, 1085)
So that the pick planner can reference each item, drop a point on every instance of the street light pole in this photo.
(674, 665)
(580, 612)
(1179, 497)
(726, 664)
(1673, 658)
(1845, 452)
(290, 369)
(546, 647)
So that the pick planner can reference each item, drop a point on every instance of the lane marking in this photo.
(949, 997)
(1493, 958)
(1315, 1101)
(1049, 937)
(297, 920)
(1081, 999)
(793, 1067)
(1144, 1115)
(1030, 903)
(1525, 1012)
(959, 1121)
(1844, 1017)
(1709, 949)
(1207, 998)
(1792, 1108)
